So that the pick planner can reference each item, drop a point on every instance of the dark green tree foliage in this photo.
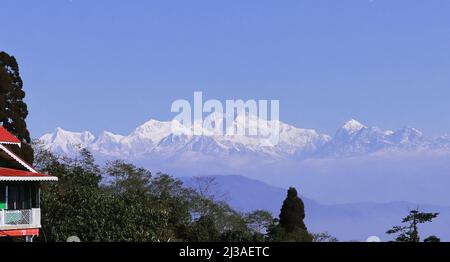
(292, 212)
(432, 239)
(229, 225)
(126, 178)
(323, 237)
(13, 109)
(259, 221)
(233, 228)
(172, 203)
(203, 229)
(122, 202)
(410, 232)
(77, 205)
(290, 226)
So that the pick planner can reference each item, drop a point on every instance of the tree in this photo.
(432, 239)
(122, 202)
(172, 203)
(410, 232)
(203, 230)
(290, 226)
(292, 212)
(73, 205)
(13, 109)
(233, 226)
(124, 177)
(323, 237)
(78, 205)
(259, 221)
(207, 190)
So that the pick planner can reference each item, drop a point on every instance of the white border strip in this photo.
(28, 178)
(11, 143)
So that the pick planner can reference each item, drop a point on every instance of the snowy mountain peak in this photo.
(151, 125)
(408, 136)
(111, 136)
(353, 126)
(171, 139)
(153, 130)
(63, 141)
(63, 134)
(412, 131)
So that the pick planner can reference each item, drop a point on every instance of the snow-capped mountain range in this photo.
(170, 139)
(358, 163)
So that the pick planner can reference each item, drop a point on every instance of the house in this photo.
(20, 213)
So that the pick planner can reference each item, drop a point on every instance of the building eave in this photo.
(11, 143)
(28, 178)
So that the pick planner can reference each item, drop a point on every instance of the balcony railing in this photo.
(24, 218)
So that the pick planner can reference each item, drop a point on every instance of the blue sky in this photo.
(111, 65)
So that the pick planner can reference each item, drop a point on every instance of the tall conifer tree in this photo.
(291, 218)
(292, 212)
(13, 109)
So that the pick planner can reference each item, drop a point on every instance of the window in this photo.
(23, 196)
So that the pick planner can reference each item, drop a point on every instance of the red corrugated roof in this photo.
(7, 137)
(19, 173)
(9, 174)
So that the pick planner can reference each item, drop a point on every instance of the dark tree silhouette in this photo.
(432, 239)
(13, 110)
(410, 232)
(292, 212)
(290, 226)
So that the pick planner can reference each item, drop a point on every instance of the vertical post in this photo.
(6, 197)
(2, 216)
(39, 196)
(30, 198)
(2, 210)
